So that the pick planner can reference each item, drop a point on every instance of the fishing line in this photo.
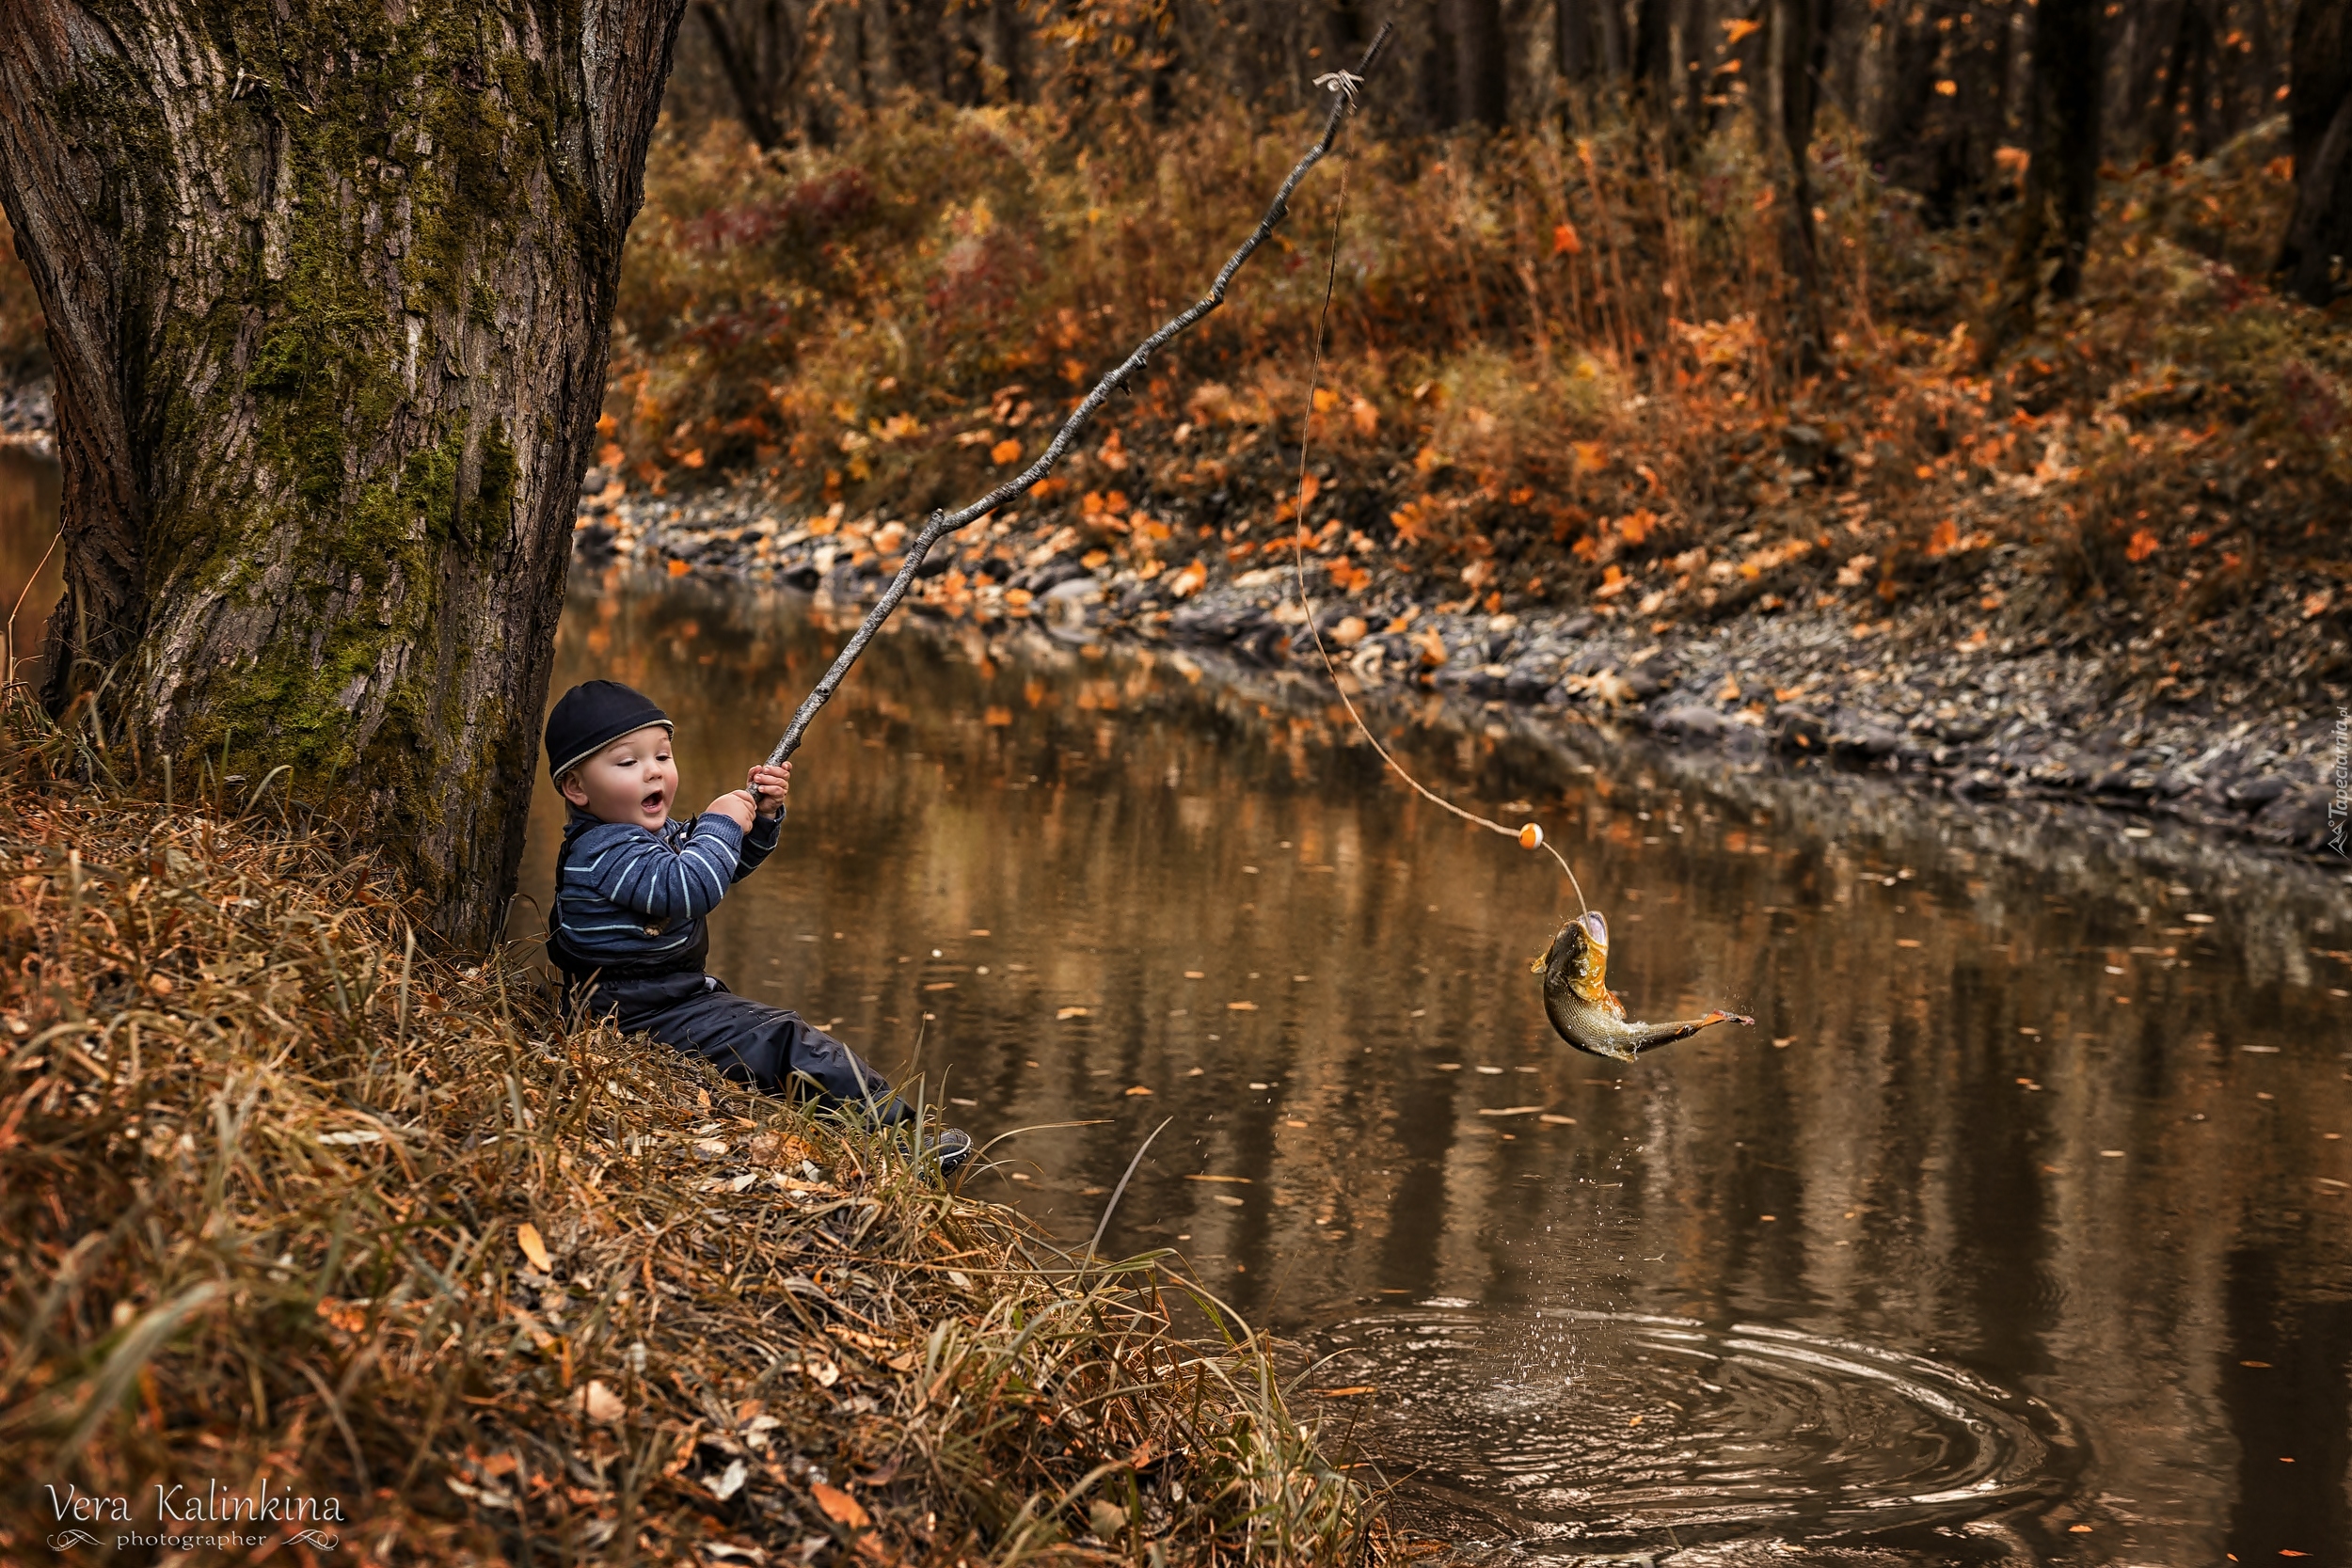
(1531, 835)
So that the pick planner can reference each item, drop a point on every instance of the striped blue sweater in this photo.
(630, 896)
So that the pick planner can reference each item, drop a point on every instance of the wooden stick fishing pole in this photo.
(941, 524)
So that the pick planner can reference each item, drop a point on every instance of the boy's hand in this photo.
(736, 806)
(771, 784)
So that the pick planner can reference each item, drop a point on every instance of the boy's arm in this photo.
(756, 845)
(645, 873)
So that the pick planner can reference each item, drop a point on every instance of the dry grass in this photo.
(284, 1198)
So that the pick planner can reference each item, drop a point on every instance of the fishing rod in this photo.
(1343, 86)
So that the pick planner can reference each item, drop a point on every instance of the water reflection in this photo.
(2045, 1107)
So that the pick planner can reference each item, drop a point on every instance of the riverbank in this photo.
(1807, 662)
(299, 1206)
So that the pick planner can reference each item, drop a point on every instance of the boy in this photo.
(633, 889)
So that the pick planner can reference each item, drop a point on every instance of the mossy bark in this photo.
(329, 288)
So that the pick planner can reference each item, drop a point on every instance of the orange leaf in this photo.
(1738, 28)
(678, 568)
(2143, 544)
(1365, 417)
(534, 1247)
(1188, 582)
(1326, 400)
(693, 459)
(840, 1506)
(1564, 240)
(1948, 89)
(1005, 451)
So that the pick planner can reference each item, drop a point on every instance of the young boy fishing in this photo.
(633, 889)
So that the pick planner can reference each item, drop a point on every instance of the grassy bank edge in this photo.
(287, 1199)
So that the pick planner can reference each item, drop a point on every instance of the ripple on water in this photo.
(1623, 1430)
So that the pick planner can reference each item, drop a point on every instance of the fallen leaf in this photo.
(1069, 1013)
(1740, 27)
(1354, 1391)
(1905, 942)
(1005, 451)
(600, 1404)
(1138, 1089)
(1241, 1007)
(840, 1506)
(731, 1482)
(527, 1237)
(1557, 1121)
(1564, 240)
(1188, 582)
(1508, 1110)
(1242, 1179)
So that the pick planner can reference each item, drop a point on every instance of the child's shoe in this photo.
(951, 1146)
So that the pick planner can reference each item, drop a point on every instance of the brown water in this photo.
(2015, 1230)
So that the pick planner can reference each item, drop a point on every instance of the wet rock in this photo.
(804, 577)
(1527, 680)
(1865, 742)
(1041, 581)
(2254, 794)
(1202, 623)
(1488, 680)
(1796, 731)
(593, 542)
(1691, 721)
(1648, 678)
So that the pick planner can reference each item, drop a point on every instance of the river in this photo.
(2014, 1230)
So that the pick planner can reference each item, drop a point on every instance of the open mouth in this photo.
(652, 803)
(1596, 928)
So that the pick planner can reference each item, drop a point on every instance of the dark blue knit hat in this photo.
(591, 716)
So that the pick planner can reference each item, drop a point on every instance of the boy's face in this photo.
(633, 780)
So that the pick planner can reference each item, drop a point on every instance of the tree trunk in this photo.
(1793, 35)
(329, 296)
(1479, 49)
(1576, 44)
(756, 55)
(2318, 251)
(2063, 180)
(1008, 36)
(1441, 79)
(1653, 53)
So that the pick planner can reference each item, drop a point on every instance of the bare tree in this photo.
(1479, 53)
(2313, 261)
(760, 45)
(1795, 32)
(328, 292)
(2052, 234)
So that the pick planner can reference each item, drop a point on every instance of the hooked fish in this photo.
(1586, 1013)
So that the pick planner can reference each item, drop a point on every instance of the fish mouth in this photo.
(1596, 928)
